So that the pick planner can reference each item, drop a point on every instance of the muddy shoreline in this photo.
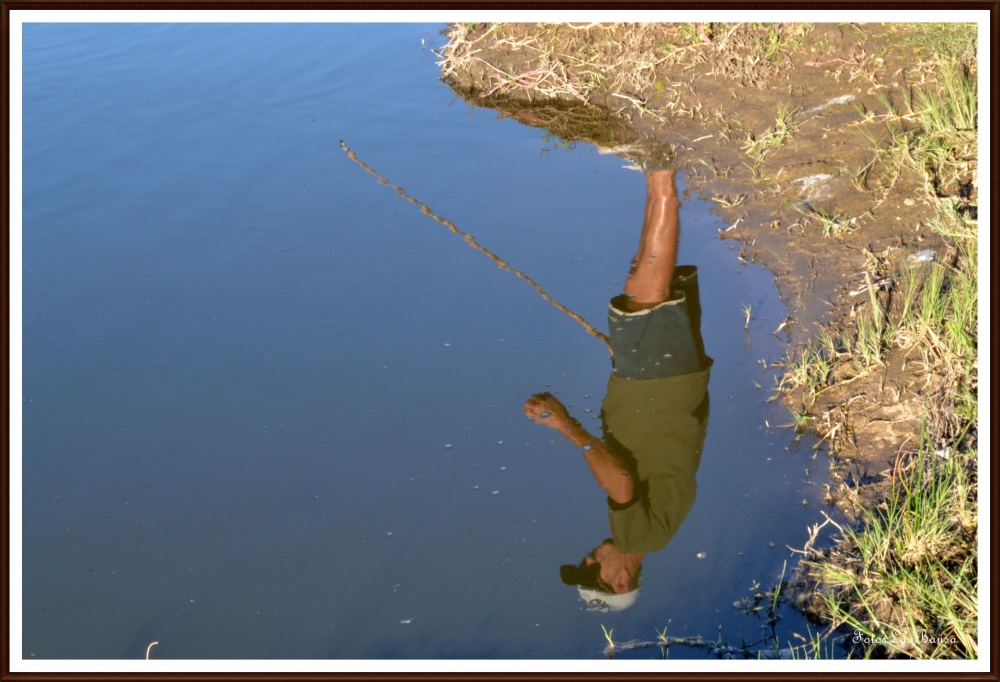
(782, 130)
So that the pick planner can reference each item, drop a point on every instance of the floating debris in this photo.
(503, 468)
(544, 415)
(447, 446)
(700, 555)
(924, 256)
(475, 487)
(407, 621)
(499, 442)
(496, 492)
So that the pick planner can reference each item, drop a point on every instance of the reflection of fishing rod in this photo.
(468, 238)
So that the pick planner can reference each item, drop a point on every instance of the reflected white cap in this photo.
(606, 601)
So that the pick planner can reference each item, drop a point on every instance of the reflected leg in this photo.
(648, 282)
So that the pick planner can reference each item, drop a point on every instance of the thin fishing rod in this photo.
(470, 240)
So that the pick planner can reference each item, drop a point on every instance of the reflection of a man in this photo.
(654, 414)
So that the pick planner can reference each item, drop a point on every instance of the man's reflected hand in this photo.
(546, 409)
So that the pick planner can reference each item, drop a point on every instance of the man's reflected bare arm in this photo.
(608, 468)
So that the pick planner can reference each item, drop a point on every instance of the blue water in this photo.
(243, 359)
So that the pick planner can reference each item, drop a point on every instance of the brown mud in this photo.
(821, 207)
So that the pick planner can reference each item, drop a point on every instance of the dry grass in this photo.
(589, 64)
(622, 67)
(753, 54)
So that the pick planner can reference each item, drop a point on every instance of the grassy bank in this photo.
(903, 342)
(906, 580)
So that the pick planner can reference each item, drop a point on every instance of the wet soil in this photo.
(702, 106)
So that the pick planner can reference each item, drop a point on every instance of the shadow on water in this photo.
(273, 409)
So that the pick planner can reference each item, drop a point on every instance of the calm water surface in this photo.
(272, 410)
